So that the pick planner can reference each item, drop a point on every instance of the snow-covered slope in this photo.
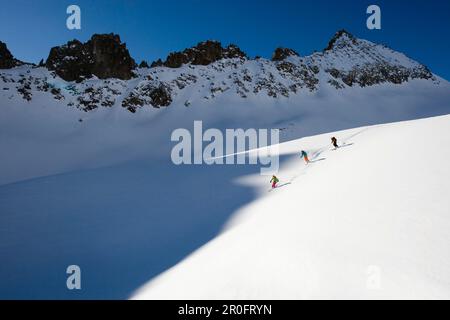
(369, 220)
(44, 136)
(51, 126)
(85, 171)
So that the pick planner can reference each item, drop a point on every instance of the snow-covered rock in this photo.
(211, 70)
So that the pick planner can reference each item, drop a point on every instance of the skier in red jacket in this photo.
(274, 182)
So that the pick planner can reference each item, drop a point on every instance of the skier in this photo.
(274, 182)
(304, 155)
(334, 142)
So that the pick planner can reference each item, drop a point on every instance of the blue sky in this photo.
(153, 28)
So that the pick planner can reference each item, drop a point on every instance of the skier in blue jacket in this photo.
(304, 155)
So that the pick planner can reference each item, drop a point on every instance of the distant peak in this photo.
(106, 36)
(341, 37)
(104, 56)
(204, 53)
(7, 60)
(282, 53)
(4, 52)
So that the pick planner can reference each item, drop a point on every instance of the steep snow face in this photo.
(368, 220)
(345, 52)
(351, 61)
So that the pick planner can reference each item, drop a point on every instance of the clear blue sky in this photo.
(153, 28)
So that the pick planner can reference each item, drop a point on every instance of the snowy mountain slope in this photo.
(85, 181)
(43, 137)
(369, 220)
(362, 52)
(52, 126)
(346, 62)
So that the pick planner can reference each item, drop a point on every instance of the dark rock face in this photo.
(282, 53)
(157, 63)
(380, 73)
(92, 98)
(72, 61)
(148, 94)
(25, 88)
(302, 76)
(143, 64)
(340, 39)
(103, 56)
(160, 97)
(112, 59)
(204, 54)
(7, 60)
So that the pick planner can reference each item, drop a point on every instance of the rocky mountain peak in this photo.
(104, 56)
(204, 53)
(341, 39)
(7, 60)
(348, 62)
(282, 53)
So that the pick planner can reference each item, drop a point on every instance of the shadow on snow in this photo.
(122, 225)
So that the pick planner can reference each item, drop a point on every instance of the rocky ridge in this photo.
(101, 73)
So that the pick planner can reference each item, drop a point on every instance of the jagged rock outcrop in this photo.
(282, 53)
(157, 63)
(7, 60)
(143, 64)
(380, 73)
(204, 54)
(341, 39)
(104, 56)
(148, 94)
(210, 71)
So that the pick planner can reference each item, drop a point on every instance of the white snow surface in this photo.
(102, 193)
(370, 220)
(45, 137)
